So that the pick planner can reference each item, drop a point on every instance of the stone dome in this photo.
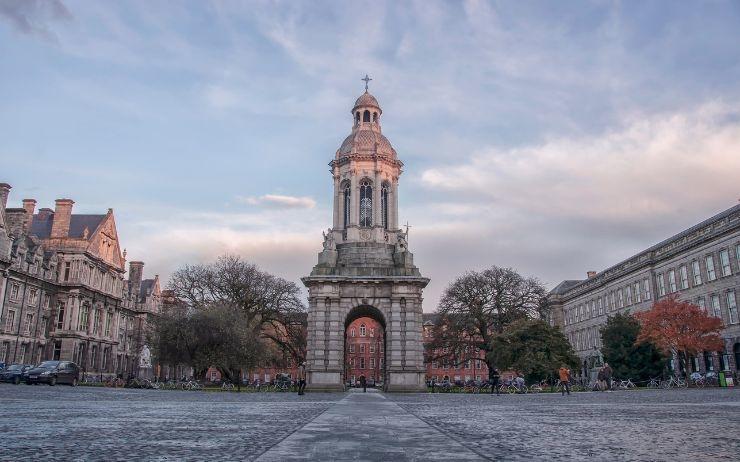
(366, 99)
(367, 141)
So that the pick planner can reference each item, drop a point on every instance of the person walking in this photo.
(495, 379)
(564, 374)
(302, 378)
(600, 380)
(608, 376)
(363, 382)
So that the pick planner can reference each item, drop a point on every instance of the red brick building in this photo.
(473, 369)
(364, 350)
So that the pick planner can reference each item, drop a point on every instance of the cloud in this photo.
(276, 201)
(652, 165)
(33, 17)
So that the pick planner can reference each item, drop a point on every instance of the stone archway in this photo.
(365, 346)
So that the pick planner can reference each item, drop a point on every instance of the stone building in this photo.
(701, 264)
(63, 293)
(366, 268)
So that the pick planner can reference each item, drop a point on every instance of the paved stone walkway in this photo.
(67, 424)
(368, 427)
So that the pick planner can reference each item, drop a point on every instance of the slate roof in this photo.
(41, 224)
(565, 286)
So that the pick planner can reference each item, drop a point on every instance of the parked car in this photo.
(54, 372)
(15, 373)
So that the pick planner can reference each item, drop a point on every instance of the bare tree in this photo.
(269, 307)
(288, 333)
(477, 307)
(232, 282)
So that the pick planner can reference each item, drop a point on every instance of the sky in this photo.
(551, 137)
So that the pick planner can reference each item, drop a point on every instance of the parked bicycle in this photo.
(227, 386)
(191, 385)
(673, 382)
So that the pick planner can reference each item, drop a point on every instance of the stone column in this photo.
(338, 201)
(377, 216)
(354, 217)
(393, 212)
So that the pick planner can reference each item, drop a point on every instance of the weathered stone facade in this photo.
(701, 264)
(63, 293)
(365, 268)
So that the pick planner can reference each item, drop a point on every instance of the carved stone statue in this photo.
(401, 244)
(329, 243)
(145, 360)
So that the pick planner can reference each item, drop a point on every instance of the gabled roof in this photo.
(41, 225)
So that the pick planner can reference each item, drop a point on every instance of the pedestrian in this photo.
(302, 378)
(564, 374)
(495, 377)
(600, 380)
(608, 376)
(363, 382)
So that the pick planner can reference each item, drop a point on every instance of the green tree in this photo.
(627, 358)
(533, 348)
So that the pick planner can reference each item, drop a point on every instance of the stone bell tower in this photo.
(366, 268)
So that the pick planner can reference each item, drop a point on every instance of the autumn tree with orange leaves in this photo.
(680, 329)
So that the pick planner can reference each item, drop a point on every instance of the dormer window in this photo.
(363, 330)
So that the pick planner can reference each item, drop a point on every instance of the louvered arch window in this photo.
(347, 204)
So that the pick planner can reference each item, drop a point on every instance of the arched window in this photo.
(352, 332)
(384, 204)
(347, 203)
(362, 330)
(366, 203)
(366, 116)
(357, 117)
(375, 116)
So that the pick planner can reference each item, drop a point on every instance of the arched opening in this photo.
(357, 117)
(385, 190)
(366, 203)
(375, 116)
(366, 116)
(364, 355)
(347, 203)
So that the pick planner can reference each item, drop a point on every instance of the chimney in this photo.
(29, 205)
(45, 213)
(62, 217)
(135, 272)
(590, 274)
(4, 193)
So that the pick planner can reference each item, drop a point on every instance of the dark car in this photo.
(15, 373)
(54, 372)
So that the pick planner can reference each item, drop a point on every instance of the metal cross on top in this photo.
(366, 80)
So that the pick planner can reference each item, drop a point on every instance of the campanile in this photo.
(365, 267)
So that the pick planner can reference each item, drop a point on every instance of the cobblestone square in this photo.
(65, 423)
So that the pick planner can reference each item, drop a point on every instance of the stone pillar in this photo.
(393, 212)
(377, 215)
(325, 344)
(338, 203)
